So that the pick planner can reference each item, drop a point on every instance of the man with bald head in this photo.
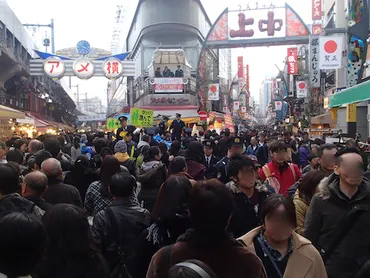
(58, 192)
(33, 187)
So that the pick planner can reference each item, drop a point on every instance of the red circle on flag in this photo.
(330, 46)
(213, 89)
(301, 85)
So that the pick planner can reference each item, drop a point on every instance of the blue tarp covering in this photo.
(45, 55)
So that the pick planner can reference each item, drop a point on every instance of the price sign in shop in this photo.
(142, 118)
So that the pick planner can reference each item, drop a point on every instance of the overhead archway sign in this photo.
(83, 67)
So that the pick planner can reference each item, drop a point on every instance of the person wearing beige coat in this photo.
(304, 261)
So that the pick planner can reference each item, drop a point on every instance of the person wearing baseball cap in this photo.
(235, 147)
(248, 193)
(209, 159)
(121, 132)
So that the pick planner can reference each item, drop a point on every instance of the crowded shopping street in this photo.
(185, 139)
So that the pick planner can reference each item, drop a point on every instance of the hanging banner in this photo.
(229, 122)
(240, 67)
(244, 109)
(292, 61)
(141, 117)
(314, 62)
(213, 91)
(236, 105)
(330, 53)
(167, 85)
(316, 9)
(301, 89)
(278, 105)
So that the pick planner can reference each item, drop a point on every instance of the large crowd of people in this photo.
(136, 204)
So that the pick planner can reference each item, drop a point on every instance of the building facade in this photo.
(39, 97)
(167, 34)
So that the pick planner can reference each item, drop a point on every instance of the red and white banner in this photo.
(292, 61)
(168, 85)
(236, 105)
(301, 89)
(316, 9)
(331, 52)
(278, 105)
(316, 29)
(240, 67)
(213, 91)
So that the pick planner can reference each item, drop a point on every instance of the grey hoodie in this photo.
(142, 144)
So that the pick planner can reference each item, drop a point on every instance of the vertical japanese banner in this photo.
(240, 67)
(316, 9)
(292, 61)
(314, 62)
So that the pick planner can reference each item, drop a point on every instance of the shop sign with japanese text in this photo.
(314, 62)
(141, 117)
(292, 57)
(168, 85)
(54, 67)
(213, 91)
(316, 9)
(113, 68)
(331, 52)
(83, 68)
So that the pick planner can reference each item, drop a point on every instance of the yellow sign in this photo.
(112, 124)
(351, 113)
(141, 118)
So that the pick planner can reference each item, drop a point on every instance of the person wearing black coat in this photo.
(81, 176)
(124, 218)
(177, 127)
(209, 159)
(248, 194)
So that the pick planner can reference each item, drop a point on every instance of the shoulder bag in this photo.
(121, 270)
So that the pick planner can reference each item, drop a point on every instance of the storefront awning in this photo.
(10, 113)
(26, 121)
(322, 119)
(358, 93)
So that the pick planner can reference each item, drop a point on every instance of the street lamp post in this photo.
(51, 26)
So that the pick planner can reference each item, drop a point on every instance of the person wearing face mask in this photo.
(338, 220)
(248, 193)
(283, 252)
(285, 174)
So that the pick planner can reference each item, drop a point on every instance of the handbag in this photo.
(120, 270)
(341, 233)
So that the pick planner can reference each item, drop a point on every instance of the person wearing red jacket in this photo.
(286, 174)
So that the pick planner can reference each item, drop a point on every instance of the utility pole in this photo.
(51, 26)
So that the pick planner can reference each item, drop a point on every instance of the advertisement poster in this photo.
(141, 118)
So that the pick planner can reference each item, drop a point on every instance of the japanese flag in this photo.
(331, 52)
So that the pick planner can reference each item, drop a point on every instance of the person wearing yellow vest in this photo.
(131, 145)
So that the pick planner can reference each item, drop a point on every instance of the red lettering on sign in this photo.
(53, 63)
(112, 67)
(242, 23)
(84, 68)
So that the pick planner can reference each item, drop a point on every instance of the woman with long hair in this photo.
(194, 159)
(170, 218)
(70, 251)
(152, 175)
(76, 148)
(306, 189)
(81, 176)
(98, 196)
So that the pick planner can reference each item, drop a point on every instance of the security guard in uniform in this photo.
(209, 159)
(235, 147)
(121, 132)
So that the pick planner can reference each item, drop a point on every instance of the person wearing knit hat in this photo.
(120, 152)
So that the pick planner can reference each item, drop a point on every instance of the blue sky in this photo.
(80, 19)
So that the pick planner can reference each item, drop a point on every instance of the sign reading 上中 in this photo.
(314, 62)
(331, 49)
(292, 61)
(141, 117)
